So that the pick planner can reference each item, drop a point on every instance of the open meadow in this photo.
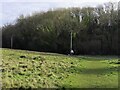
(28, 69)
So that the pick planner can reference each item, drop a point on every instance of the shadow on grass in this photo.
(97, 87)
(98, 71)
(110, 70)
(96, 58)
(101, 71)
(45, 53)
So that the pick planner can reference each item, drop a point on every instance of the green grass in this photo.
(25, 69)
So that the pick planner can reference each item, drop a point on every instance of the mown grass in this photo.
(25, 69)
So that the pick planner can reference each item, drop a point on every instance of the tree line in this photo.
(94, 31)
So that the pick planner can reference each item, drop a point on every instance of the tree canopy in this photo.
(95, 31)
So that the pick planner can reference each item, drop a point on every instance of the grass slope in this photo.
(25, 69)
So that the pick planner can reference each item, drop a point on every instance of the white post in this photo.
(70, 41)
(11, 41)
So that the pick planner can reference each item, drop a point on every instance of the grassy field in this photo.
(25, 69)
